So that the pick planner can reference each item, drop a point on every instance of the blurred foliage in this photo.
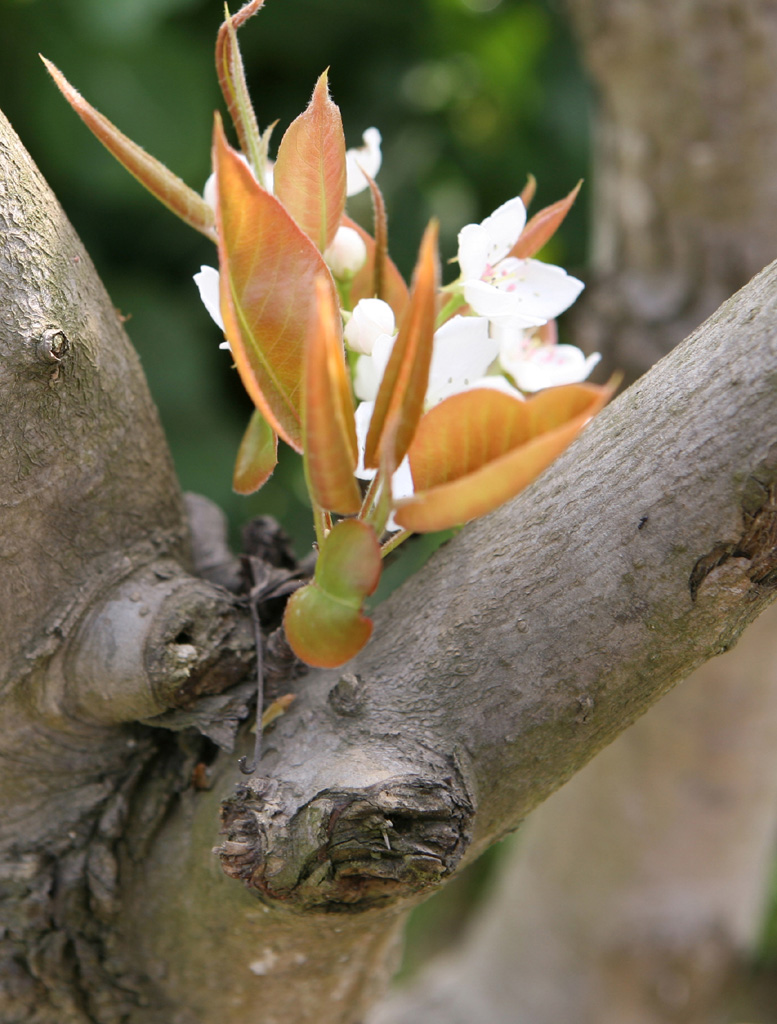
(470, 96)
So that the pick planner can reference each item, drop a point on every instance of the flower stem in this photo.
(322, 522)
(454, 303)
(394, 542)
(369, 498)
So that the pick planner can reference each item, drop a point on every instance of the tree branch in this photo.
(101, 619)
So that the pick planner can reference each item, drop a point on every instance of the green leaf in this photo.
(380, 227)
(324, 622)
(231, 76)
(527, 193)
(309, 173)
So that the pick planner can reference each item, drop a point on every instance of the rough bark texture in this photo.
(527, 644)
(636, 889)
(102, 624)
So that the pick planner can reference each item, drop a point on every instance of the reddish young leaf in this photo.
(380, 227)
(323, 621)
(309, 174)
(543, 226)
(395, 291)
(168, 188)
(329, 431)
(248, 10)
(231, 75)
(403, 388)
(527, 193)
(476, 450)
(257, 455)
(268, 271)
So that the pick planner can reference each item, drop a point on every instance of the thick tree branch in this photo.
(101, 620)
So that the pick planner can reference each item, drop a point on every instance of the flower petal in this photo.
(347, 254)
(370, 319)
(496, 383)
(463, 351)
(207, 282)
(549, 366)
(370, 369)
(488, 300)
(503, 228)
(401, 481)
(362, 418)
(538, 289)
(474, 245)
(367, 158)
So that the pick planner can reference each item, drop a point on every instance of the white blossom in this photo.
(366, 158)
(463, 351)
(535, 363)
(525, 292)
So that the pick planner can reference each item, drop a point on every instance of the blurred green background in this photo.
(470, 96)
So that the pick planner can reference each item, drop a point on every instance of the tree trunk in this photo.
(685, 135)
(637, 891)
(525, 646)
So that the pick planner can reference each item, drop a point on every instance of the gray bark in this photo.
(528, 643)
(636, 891)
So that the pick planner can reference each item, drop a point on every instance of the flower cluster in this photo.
(415, 408)
(507, 341)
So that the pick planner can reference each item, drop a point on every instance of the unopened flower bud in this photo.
(370, 319)
(347, 254)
